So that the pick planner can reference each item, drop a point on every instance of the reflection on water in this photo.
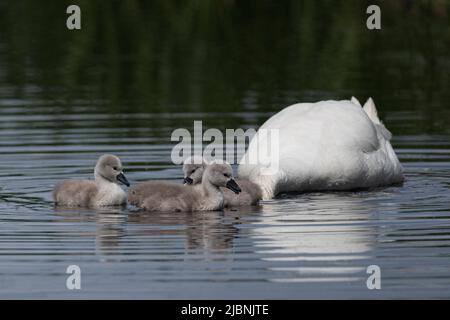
(334, 226)
(112, 88)
(337, 223)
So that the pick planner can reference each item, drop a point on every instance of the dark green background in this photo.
(225, 55)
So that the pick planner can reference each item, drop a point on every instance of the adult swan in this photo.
(328, 145)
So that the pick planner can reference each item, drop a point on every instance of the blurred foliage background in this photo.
(227, 55)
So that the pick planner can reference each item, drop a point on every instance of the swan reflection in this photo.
(317, 237)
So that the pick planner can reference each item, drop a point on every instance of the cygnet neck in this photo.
(209, 188)
(99, 179)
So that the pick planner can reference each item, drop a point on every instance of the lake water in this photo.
(65, 99)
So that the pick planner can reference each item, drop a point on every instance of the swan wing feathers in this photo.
(371, 111)
(324, 125)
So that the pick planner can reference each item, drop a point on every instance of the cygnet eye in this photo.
(193, 170)
(115, 168)
(225, 175)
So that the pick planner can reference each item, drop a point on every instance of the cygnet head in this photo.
(221, 175)
(193, 169)
(109, 167)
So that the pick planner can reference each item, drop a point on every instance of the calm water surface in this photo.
(297, 246)
(65, 99)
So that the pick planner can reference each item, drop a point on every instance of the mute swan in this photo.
(193, 168)
(328, 145)
(166, 196)
(103, 191)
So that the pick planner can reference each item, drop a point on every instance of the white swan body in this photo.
(328, 145)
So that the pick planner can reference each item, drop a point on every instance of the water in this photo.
(63, 105)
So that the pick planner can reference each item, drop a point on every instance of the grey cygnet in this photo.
(193, 169)
(166, 196)
(103, 191)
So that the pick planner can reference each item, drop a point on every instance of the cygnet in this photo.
(193, 168)
(166, 196)
(103, 191)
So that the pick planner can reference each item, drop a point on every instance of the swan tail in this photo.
(371, 111)
(356, 101)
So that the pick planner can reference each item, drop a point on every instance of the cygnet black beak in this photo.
(188, 180)
(233, 186)
(122, 179)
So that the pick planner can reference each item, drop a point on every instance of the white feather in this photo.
(328, 145)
